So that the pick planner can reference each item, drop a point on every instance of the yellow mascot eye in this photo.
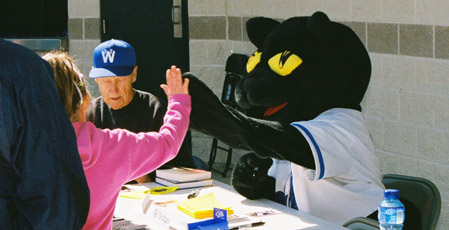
(284, 63)
(253, 61)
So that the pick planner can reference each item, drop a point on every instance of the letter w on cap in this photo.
(108, 54)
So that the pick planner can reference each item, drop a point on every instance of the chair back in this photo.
(235, 69)
(362, 223)
(422, 193)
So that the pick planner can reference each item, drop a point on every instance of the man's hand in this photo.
(175, 84)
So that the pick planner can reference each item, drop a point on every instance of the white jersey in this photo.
(347, 182)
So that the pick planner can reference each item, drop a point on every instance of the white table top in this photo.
(131, 209)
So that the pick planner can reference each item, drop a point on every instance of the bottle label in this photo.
(391, 215)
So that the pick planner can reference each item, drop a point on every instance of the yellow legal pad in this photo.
(135, 195)
(202, 207)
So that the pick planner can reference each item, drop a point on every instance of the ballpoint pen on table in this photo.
(260, 223)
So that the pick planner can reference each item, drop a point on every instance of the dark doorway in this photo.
(157, 29)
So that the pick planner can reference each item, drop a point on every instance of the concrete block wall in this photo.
(407, 103)
(84, 35)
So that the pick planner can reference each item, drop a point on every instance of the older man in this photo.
(122, 106)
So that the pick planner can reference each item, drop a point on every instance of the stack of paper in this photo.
(184, 177)
(202, 207)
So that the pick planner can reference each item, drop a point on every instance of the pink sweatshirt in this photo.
(112, 157)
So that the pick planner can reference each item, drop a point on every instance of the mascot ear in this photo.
(320, 28)
(258, 28)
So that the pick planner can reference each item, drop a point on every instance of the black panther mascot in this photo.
(310, 148)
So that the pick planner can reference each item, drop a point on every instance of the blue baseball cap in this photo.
(113, 58)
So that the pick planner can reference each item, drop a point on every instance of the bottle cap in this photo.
(392, 193)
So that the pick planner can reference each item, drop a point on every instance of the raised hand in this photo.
(175, 83)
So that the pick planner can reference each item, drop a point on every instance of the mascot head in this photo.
(302, 67)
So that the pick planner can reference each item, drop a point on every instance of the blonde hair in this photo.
(70, 82)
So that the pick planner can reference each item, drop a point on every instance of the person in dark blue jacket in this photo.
(42, 183)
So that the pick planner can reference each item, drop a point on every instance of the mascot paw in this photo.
(250, 179)
(197, 88)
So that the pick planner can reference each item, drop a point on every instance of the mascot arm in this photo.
(268, 139)
(281, 141)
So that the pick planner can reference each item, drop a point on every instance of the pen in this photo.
(260, 223)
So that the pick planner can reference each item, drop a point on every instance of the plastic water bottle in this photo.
(391, 211)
